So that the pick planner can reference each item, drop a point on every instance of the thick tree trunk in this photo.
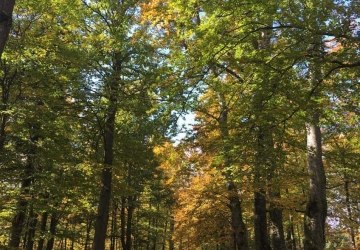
(20, 216)
(275, 212)
(290, 235)
(113, 226)
(88, 230)
(127, 204)
(3, 122)
(130, 212)
(261, 168)
(104, 202)
(263, 164)
(276, 223)
(172, 229)
(19, 219)
(72, 243)
(106, 181)
(349, 211)
(53, 223)
(165, 235)
(5, 92)
(6, 10)
(43, 222)
(31, 230)
(237, 223)
(154, 237)
(316, 207)
(123, 223)
(28, 178)
(260, 221)
(6, 82)
(239, 232)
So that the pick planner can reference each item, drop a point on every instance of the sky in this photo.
(185, 124)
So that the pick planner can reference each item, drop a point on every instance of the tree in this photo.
(91, 94)
(6, 10)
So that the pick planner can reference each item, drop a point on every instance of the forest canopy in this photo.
(172, 124)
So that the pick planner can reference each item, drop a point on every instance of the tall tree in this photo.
(316, 207)
(6, 11)
(89, 88)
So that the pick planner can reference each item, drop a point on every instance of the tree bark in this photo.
(5, 94)
(105, 194)
(19, 218)
(172, 229)
(113, 225)
(165, 235)
(290, 235)
(127, 204)
(276, 223)
(88, 230)
(53, 223)
(31, 230)
(260, 221)
(260, 170)
(276, 226)
(130, 212)
(6, 10)
(316, 207)
(349, 211)
(123, 223)
(28, 178)
(237, 222)
(43, 222)
(106, 181)
(239, 232)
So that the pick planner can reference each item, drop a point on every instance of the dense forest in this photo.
(180, 124)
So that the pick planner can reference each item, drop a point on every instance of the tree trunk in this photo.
(237, 223)
(3, 122)
(275, 212)
(31, 230)
(88, 230)
(239, 232)
(290, 235)
(106, 181)
(123, 222)
(53, 223)
(172, 229)
(43, 222)
(104, 202)
(165, 235)
(72, 243)
(19, 218)
(6, 10)
(131, 207)
(276, 229)
(155, 236)
(5, 94)
(316, 207)
(349, 211)
(260, 221)
(276, 223)
(114, 225)
(261, 166)
(7, 80)
(299, 237)
(28, 178)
